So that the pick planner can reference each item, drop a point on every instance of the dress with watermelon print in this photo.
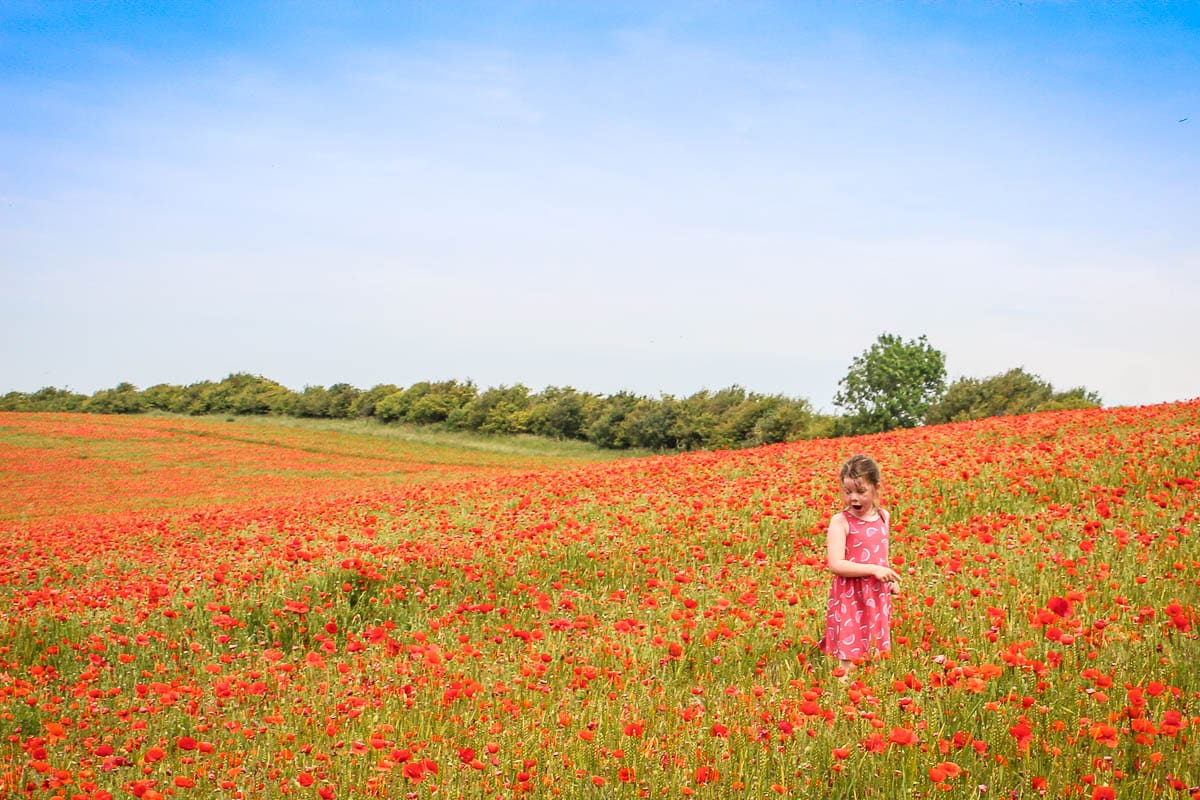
(858, 615)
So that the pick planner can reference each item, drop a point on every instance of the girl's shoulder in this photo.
(839, 521)
(880, 513)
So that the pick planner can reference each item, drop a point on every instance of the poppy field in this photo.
(189, 613)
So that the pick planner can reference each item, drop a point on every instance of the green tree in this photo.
(606, 430)
(891, 385)
(781, 420)
(312, 401)
(651, 424)
(51, 399)
(1079, 397)
(123, 399)
(342, 400)
(499, 410)
(724, 418)
(364, 404)
(737, 413)
(392, 407)
(439, 401)
(1013, 392)
(693, 422)
(239, 393)
(562, 413)
(162, 396)
(395, 407)
(243, 393)
(45, 399)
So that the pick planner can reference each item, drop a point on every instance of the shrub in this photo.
(123, 399)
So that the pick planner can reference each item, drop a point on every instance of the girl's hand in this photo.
(890, 577)
(886, 574)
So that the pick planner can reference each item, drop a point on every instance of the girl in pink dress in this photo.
(858, 615)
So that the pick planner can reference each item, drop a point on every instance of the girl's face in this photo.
(860, 496)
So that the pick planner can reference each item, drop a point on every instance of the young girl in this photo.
(858, 615)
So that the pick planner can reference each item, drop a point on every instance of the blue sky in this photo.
(649, 196)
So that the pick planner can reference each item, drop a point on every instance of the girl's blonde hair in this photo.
(861, 468)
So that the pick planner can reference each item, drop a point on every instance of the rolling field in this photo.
(198, 608)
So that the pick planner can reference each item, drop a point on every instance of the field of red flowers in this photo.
(184, 613)
(61, 464)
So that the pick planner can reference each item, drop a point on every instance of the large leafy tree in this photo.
(890, 385)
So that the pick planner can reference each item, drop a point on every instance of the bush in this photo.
(392, 407)
(426, 403)
(730, 417)
(1013, 392)
(504, 410)
(563, 413)
(45, 399)
(785, 421)
(364, 404)
(312, 401)
(337, 402)
(343, 399)
(650, 424)
(162, 397)
(607, 431)
(123, 399)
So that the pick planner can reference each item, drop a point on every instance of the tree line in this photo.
(893, 384)
(730, 417)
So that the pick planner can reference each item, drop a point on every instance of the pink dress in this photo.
(859, 613)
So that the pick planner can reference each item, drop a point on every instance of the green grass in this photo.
(519, 445)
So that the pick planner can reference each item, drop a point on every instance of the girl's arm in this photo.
(835, 555)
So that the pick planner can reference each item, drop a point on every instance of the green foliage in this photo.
(692, 425)
(891, 385)
(343, 399)
(607, 430)
(1013, 392)
(239, 393)
(504, 410)
(45, 399)
(162, 397)
(193, 399)
(783, 421)
(425, 403)
(123, 399)
(711, 419)
(821, 426)
(651, 424)
(1079, 397)
(442, 399)
(738, 414)
(311, 402)
(337, 402)
(727, 418)
(563, 413)
(364, 404)
(747, 419)
(390, 408)
(730, 417)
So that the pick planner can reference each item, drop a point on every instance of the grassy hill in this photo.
(194, 608)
